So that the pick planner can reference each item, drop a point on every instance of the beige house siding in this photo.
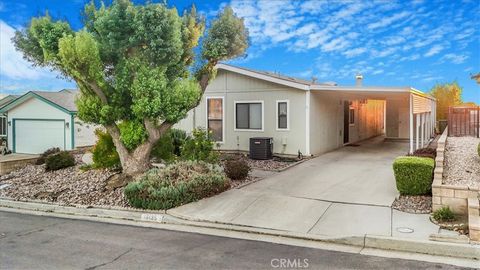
(326, 122)
(234, 88)
(369, 120)
(397, 118)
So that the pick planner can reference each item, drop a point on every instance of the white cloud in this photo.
(434, 50)
(312, 6)
(354, 52)
(455, 58)
(389, 41)
(335, 44)
(464, 34)
(432, 78)
(378, 71)
(17, 74)
(388, 20)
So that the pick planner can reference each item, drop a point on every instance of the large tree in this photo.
(134, 66)
(447, 95)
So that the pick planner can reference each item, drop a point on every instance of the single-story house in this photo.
(305, 116)
(39, 120)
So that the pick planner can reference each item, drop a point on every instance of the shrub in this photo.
(425, 152)
(168, 148)
(237, 169)
(104, 153)
(200, 147)
(59, 160)
(478, 149)
(48, 152)
(177, 184)
(413, 175)
(444, 214)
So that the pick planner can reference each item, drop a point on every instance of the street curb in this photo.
(466, 251)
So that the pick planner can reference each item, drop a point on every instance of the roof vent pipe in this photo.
(358, 80)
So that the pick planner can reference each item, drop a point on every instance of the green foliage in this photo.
(444, 214)
(227, 37)
(237, 169)
(200, 147)
(447, 95)
(478, 149)
(132, 62)
(59, 160)
(413, 175)
(48, 152)
(175, 185)
(132, 134)
(168, 148)
(104, 152)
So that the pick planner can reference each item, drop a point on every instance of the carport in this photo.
(398, 113)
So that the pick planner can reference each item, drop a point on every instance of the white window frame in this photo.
(235, 115)
(288, 115)
(354, 116)
(4, 118)
(223, 115)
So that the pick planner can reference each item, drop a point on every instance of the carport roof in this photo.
(310, 85)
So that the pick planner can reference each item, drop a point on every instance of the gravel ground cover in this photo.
(66, 186)
(413, 204)
(462, 162)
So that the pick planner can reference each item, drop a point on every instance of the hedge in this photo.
(413, 175)
(177, 184)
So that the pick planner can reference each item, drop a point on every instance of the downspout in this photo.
(307, 122)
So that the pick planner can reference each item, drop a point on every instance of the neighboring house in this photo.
(40, 120)
(305, 116)
(3, 117)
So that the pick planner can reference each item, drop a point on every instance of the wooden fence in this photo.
(464, 121)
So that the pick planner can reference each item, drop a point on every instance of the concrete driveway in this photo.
(347, 192)
(353, 174)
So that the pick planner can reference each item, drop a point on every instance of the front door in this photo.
(346, 121)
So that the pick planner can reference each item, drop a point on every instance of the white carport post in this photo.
(307, 123)
(411, 124)
(417, 127)
(422, 126)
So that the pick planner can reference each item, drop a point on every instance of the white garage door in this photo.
(36, 136)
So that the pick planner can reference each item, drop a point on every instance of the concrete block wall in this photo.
(455, 197)
(12, 165)
(474, 219)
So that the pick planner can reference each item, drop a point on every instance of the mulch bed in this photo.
(413, 204)
(67, 186)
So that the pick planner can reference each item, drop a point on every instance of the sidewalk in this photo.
(309, 216)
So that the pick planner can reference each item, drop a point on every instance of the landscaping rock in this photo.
(87, 158)
(117, 181)
(67, 186)
(462, 163)
(413, 204)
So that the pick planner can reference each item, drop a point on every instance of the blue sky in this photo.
(392, 43)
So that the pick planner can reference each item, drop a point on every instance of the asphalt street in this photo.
(37, 242)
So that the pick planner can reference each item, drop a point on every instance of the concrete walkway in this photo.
(347, 192)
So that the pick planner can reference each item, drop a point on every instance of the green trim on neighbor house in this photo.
(28, 95)
(72, 130)
(38, 119)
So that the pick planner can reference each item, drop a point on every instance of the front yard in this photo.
(77, 186)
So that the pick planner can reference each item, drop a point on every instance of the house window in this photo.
(215, 118)
(249, 115)
(282, 114)
(351, 116)
(3, 126)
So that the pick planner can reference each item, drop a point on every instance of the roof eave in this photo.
(264, 77)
